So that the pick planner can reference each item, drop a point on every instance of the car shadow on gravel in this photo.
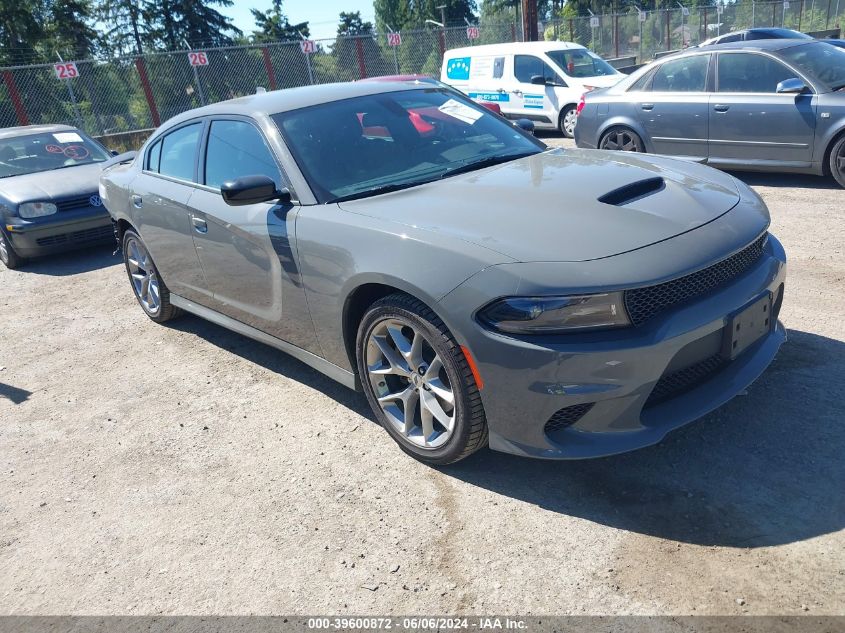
(765, 469)
(72, 262)
(800, 181)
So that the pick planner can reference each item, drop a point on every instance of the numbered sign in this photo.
(472, 32)
(594, 22)
(719, 9)
(66, 70)
(643, 16)
(308, 46)
(785, 4)
(198, 58)
(394, 39)
(685, 12)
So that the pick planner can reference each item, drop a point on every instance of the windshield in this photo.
(33, 153)
(372, 144)
(580, 62)
(824, 62)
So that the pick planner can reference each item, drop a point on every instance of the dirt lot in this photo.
(184, 469)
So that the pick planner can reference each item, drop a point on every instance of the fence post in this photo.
(669, 30)
(571, 31)
(827, 19)
(148, 91)
(774, 6)
(800, 14)
(616, 35)
(268, 66)
(359, 52)
(15, 96)
(513, 32)
(704, 37)
(441, 39)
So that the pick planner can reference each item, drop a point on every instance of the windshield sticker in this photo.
(458, 68)
(501, 97)
(53, 149)
(67, 137)
(460, 111)
(76, 152)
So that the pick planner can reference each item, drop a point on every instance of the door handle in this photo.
(137, 201)
(721, 107)
(516, 92)
(200, 225)
(647, 106)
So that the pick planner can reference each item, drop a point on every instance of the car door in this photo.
(160, 197)
(750, 122)
(673, 107)
(537, 102)
(247, 251)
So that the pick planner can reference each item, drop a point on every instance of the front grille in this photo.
(644, 303)
(567, 416)
(79, 202)
(685, 379)
(100, 233)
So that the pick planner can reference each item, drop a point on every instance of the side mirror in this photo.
(114, 152)
(538, 80)
(251, 190)
(791, 86)
(526, 125)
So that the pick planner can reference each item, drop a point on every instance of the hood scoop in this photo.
(633, 192)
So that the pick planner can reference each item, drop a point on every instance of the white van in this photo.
(540, 81)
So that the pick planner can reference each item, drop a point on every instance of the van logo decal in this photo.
(458, 68)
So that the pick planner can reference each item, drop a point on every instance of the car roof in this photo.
(276, 101)
(511, 47)
(23, 130)
(760, 45)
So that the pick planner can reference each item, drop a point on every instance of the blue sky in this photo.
(321, 14)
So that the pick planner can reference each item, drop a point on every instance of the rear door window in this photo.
(179, 152)
(688, 74)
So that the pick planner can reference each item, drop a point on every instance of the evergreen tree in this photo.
(127, 25)
(21, 31)
(273, 25)
(69, 29)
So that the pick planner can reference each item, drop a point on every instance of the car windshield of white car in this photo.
(823, 62)
(31, 153)
(581, 63)
(378, 143)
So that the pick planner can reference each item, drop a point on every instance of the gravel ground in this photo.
(182, 469)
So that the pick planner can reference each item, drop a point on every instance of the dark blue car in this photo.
(49, 199)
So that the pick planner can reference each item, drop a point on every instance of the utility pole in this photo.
(529, 20)
(442, 8)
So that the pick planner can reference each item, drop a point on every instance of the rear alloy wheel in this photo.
(418, 381)
(149, 289)
(7, 254)
(622, 139)
(567, 121)
(837, 161)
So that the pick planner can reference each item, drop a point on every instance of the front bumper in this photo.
(606, 381)
(60, 232)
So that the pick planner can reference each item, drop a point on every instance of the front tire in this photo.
(418, 381)
(837, 161)
(7, 254)
(622, 139)
(148, 288)
(567, 121)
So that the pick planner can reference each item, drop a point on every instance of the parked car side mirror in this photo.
(538, 80)
(791, 86)
(251, 190)
(525, 124)
(114, 152)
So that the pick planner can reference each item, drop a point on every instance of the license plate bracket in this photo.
(747, 326)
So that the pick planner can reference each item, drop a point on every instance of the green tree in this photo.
(128, 26)
(21, 30)
(69, 29)
(273, 25)
(352, 24)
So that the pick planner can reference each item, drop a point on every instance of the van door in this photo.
(487, 80)
(530, 100)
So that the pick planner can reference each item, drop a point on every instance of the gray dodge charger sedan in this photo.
(48, 192)
(769, 105)
(480, 288)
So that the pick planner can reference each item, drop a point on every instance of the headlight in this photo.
(550, 315)
(36, 209)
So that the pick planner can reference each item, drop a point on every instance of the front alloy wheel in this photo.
(837, 161)
(7, 254)
(418, 382)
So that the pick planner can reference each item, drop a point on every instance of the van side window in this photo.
(527, 66)
(498, 67)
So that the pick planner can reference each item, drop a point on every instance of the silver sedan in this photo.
(770, 105)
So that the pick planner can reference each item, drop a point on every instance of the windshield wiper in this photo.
(375, 191)
(485, 162)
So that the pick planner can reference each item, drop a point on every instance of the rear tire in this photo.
(418, 381)
(567, 120)
(7, 254)
(621, 139)
(837, 161)
(148, 288)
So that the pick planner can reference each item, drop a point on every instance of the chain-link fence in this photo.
(119, 95)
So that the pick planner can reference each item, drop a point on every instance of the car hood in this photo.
(56, 184)
(546, 207)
